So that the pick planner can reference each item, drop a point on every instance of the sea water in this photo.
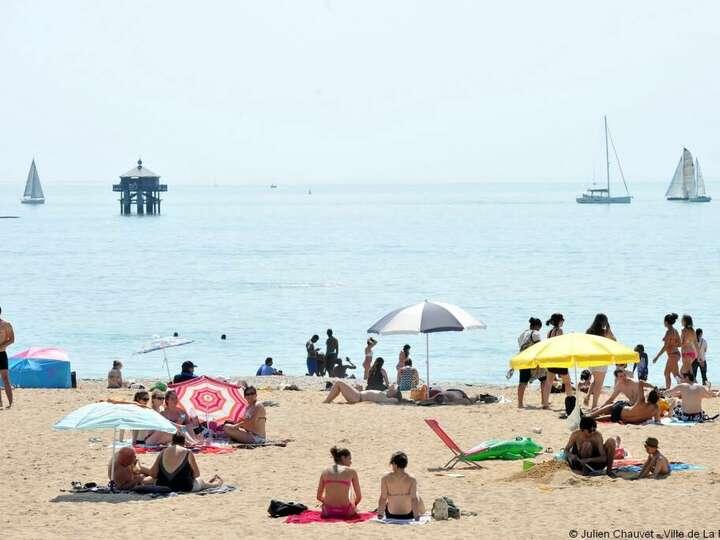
(270, 267)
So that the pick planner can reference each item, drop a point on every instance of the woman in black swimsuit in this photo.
(176, 468)
(377, 377)
(398, 492)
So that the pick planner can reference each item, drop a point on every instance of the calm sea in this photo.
(271, 267)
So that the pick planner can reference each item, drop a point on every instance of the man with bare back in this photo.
(7, 338)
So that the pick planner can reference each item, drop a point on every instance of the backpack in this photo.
(281, 509)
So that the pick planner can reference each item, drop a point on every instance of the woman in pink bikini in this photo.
(334, 486)
(670, 346)
(688, 345)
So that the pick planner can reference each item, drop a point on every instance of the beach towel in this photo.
(635, 465)
(314, 516)
(279, 442)
(424, 520)
(204, 449)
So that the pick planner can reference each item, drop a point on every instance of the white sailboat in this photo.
(33, 190)
(595, 195)
(687, 183)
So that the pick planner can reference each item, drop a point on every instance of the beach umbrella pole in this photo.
(427, 358)
(112, 462)
(167, 366)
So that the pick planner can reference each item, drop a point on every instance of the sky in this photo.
(331, 91)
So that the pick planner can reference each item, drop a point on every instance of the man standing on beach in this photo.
(7, 338)
(331, 352)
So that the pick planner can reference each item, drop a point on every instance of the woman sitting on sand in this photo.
(353, 395)
(251, 429)
(377, 376)
(398, 492)
(334, 487)
(128, 473)
(176, 468)
(178, 416)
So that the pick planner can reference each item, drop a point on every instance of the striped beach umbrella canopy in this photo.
(211, 399)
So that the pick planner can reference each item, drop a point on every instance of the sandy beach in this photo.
(548, 502)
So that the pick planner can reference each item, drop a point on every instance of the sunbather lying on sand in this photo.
(451, 396)
(129, 474)
(586, 451)
(352, 395)
(639, 413)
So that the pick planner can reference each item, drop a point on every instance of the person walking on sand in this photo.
(599, 327)
(671, 346)
(331, 352)
(700, 362)
(556, 320)
(7, 338)
(528, 338)
(371, 342)
(688, 345)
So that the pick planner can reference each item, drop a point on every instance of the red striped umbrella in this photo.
(211, 399)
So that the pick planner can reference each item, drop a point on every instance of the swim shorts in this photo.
(616, 413)
(3, 360)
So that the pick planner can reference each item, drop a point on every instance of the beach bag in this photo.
(420, 393)
(282, 509)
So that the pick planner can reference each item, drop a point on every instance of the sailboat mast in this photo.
(607, 156)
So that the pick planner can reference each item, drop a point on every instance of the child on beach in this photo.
(657, 465)
(642, 365)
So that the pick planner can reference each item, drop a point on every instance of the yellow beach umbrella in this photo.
(574, 350)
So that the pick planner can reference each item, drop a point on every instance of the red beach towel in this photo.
(314, 516)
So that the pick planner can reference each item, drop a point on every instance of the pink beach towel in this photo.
(314, 516)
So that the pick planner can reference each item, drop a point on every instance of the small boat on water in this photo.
(601, 195)
(33, 190)
(273, 186)
(687, 183)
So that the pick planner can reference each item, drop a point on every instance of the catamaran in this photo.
(687, 183)
(601, 195)
(33, 190)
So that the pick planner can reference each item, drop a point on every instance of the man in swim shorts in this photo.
(585, 450)
(638, 413)
(624, 384)
(7, 338)
(691, 394)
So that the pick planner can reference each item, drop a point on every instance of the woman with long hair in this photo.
(556, 320)
(599, 327)
(688, 345)
(335, 486)
(671, 347)
(377, 376)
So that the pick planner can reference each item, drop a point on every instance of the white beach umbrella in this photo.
(162, 343)
(115, 416)
(426, 318)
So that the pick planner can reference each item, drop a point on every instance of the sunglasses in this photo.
(251, 393)
(144, 399)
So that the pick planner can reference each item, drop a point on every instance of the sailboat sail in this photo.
(675, 191)
(700, 181)
(33, 189)
(688, 174)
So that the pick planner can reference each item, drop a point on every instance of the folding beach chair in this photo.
(452, 445)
